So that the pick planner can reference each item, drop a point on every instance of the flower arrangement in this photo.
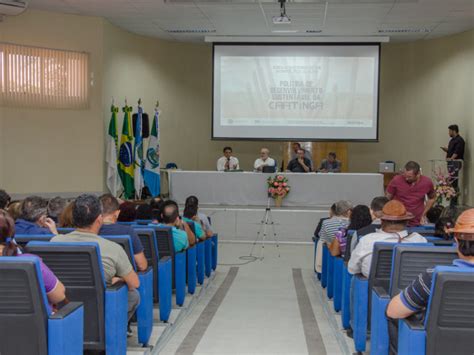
(278, 186)
(443, 186)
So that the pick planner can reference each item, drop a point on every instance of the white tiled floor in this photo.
(260, 313)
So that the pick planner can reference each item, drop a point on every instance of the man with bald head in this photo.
(264, 160)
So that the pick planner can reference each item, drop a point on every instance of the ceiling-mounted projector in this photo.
(12, 8)
(283, 18)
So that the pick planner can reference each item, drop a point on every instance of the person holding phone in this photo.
(34, 217)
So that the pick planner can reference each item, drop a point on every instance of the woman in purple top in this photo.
(55, 290)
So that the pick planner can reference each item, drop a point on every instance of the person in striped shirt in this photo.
(414, 299)
(329, 228)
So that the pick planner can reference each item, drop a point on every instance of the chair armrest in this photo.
(381, 292)
(116, 286)
(414, 323)
(164, 259)
(66, 330)
(66, 310)
(145, 308)
(116, 308)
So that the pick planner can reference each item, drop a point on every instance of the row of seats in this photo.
(362, 301)
(102, 310)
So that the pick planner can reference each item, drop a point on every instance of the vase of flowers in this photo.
(444, 189)
(278, 188)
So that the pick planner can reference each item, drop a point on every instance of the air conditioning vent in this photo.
(314, 31)
(191, 31)
(405, 30)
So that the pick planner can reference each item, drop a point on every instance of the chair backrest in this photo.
(23, 239)
(381, 266)
(143, 222)
(125, 241)
(150, 249)
(450, 316)
(164, 238)
(23, 307)
(410, 261)
(79, 267)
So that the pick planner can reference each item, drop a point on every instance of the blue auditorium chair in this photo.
(162, 271)
(337, 282)
(329, 273)
(164, 238)
(208, 257)
(79, 267)
(215, 248)
(380, 268)
(23, 239)
(27, 324)
(346, 297)
(448, 327)
(145, 308)
(407, 262)
(324, 266)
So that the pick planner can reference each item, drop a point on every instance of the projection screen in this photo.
(295, 91)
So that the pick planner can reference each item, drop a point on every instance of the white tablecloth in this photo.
(250, 189)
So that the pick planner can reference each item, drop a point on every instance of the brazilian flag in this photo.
(126, 164)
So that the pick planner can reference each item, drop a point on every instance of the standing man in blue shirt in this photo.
(34, 217)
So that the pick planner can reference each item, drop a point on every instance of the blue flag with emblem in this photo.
(138, 153)
(151, 173)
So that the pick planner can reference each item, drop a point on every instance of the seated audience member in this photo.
(33, 217)
(295, 146)
(394, 230)
(227, 162)
(376, 207)
(87, 217)
(156, 211)
(414, 299)
(65, 218)
(330, 227)
(128, 212)
(55, 207)
(360, 218)
(332, 213)
(300, 164)
(144, 212)
(412, 189)
(183, 237)
(193, 200)
(4, 199)
(110, 212)
(264, 160)
(54, 289)
(14, 209)
(446, 221)
(190, 215)
(433, 215)
(330, 164)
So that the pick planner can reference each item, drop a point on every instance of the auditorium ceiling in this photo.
(193, 20)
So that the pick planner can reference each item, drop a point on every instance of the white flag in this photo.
(113, 179)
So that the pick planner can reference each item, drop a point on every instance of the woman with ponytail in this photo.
(55, 290)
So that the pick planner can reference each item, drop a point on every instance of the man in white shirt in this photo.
(264, 160)
(394, 230)
(227, 162)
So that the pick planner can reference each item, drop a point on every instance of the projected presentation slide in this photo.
(320, 92)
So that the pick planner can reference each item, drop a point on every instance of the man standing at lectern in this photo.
(454, 157)
(227, 162)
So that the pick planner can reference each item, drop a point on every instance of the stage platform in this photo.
(241, 223)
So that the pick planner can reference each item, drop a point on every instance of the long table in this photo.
(250, 189)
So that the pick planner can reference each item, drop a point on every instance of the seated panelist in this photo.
(300, 164)
(264, 160)
(330, 165)
(227, 162)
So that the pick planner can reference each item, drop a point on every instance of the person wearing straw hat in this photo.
(394, 219)
(414, 299)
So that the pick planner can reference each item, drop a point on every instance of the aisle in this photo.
(264, 307)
